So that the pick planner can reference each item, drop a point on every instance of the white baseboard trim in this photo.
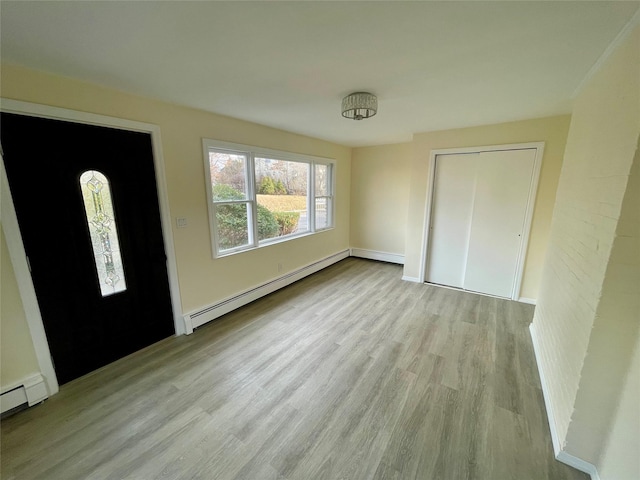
(545, 391)
(204, 315)
(559, 454)
(30, 391)
(578, 464)
(531, 301)
(377, 255)
(411, 279)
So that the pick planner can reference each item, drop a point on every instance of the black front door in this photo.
(87, 206)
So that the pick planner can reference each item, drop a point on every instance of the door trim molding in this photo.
(533, 189)
(16, 246)
(26, 289)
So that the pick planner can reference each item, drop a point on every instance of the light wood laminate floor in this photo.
(350, 373)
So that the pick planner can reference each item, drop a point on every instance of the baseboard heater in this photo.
(196, 319)
(377, 255)
(26, 393)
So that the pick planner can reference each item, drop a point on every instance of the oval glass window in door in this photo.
(101, 221)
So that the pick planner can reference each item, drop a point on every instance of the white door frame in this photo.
(533, 190)
(16, 246)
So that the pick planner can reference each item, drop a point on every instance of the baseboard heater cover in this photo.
(377, 255)
(196, 319)
(30, 391)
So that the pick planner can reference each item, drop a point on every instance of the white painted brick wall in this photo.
(600, 149)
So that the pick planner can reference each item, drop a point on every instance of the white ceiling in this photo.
(433, 65)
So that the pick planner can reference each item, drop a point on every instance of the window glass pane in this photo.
(228, 176)
(231, 222)
(282, 195)
(102, 230)
(322, 180)
(323, 212)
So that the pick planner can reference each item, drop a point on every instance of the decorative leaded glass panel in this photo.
(104, 235)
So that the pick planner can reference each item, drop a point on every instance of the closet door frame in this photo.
(533, 189)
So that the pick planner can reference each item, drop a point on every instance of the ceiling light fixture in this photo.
(359, 105)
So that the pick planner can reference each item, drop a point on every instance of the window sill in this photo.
(270, 242)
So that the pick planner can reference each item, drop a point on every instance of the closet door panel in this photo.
(451, 218)
(501, 196)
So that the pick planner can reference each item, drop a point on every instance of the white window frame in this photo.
(250, 153)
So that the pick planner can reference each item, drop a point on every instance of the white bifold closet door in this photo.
(478, 218)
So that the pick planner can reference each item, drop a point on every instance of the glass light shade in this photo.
(359, 105)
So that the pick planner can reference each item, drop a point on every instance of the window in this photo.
(98, 207)
(258, 196)
(323, 198)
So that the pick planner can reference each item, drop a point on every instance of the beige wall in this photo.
(17, 354)
(380, 178)
(586, 319)
(551, 130)
(202, 279)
